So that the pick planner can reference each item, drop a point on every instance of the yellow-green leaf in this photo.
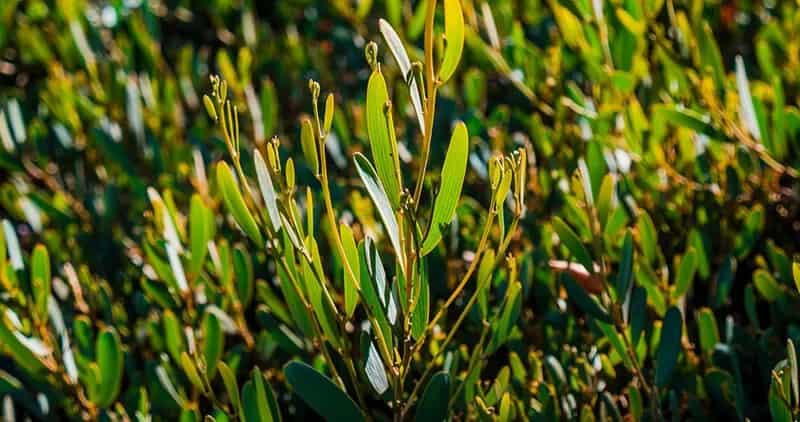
(40, 280)
(235, 203)
(381, 136)
(454, 38)
(350, 279)
(452, 180)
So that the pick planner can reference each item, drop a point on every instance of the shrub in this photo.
(495, 211)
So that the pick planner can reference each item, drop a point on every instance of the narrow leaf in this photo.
(452, 181)
(669, 347)
(235, 203)
(378, 195)
(381, 136)
(454, 38)
(267, 190)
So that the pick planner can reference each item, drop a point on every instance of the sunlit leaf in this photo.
(452, 180)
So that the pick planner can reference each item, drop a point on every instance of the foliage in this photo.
(419, 210)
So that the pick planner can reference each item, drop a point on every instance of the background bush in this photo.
(640, 266)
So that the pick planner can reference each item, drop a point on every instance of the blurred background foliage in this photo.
(683, 112)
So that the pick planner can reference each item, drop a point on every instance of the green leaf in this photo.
(229, 379)
(109, 360)
(235, 203)
(648, 237)
(778, 406)
(616, 342)
(669, 347)
(711, 59)
(213, 343)
(22, 355)
(309, 144)
(351, 281)
(432, 405)
(190, 370)
(573, 243)
(452, 181)
(625, 270)
(401, 57)
(374, 289)
(796, 275)
(378, 195)
(708, 331)
(686, 270)
(201, 231)
(454, 38)
(267, 190)
(258, 400)
(321, 394)
(381, 136)
(40, 280)
(686, 118)
(767, 286)
(173, 335)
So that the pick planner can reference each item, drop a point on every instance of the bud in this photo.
(212, 112)
(290, 174)
(371, 52)
(330, 107)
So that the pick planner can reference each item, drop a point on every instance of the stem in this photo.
(430, 101)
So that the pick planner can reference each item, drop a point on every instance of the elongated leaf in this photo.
(616, 342)
(669, 347)
(381, 137)
(321, 394)
(625, 271)
(40, 280)
(373, 287)
(22, 355)
(351, 282)
(235, 203)
(767, 286)
(747, 112)
(309, 144)
(648, 237)
(213, 343)
(258, 400)
(573, 243)
(452, 180)
(12, 244)
(109, 360)
(267, 190)
(687, 118)
(432, 405)
(401, 57)
(707, 330)
(229, 379)
(686, 270)
(454, 38)
(378, 195)
(201, 231)
(376, 373)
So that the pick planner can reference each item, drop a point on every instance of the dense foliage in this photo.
(399, 210)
